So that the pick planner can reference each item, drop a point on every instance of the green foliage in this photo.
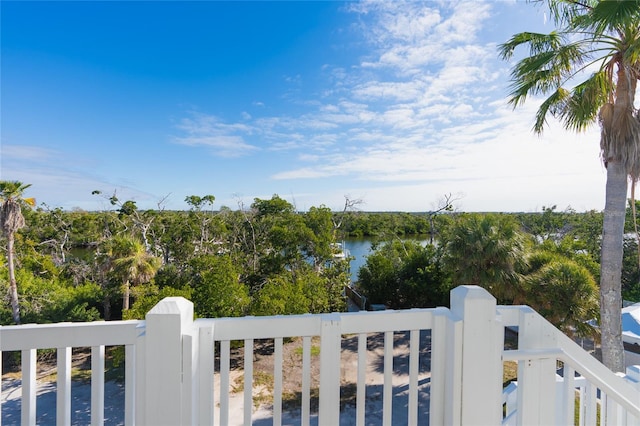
(217, 292)
(296, 293)
(565, 293)
(319, 246)
(378, 224)
(404, 274)
(48, 300)
(486, 250)
(148, 296)
(281, 295)
(630, 271)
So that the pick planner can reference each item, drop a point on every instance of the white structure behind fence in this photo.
(171, 362)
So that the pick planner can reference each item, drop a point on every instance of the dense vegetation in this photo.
(270, 259)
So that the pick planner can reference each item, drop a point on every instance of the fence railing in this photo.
(62, 338)
(421, 366)
(560, 383)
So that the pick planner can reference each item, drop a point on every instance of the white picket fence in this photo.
(172, 360)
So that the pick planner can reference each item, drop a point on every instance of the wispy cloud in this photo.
(427, 104)
(224, 140)
(26, 152)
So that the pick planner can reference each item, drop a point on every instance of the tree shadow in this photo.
(401, 357)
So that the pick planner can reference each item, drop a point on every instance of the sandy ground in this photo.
(46, 403)
(262, 413)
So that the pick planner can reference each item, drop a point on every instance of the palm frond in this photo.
(610, 15)
(545, 71)
(632, 52)
(565, 11)
(537, 43)
(553, 103)
(585, 101)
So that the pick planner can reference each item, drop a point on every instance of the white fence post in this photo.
(536, 376)
(165, 326)
(329, 404)
(482, 345)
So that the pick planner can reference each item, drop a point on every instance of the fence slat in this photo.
(206, 373)
(306, 380)
(63, 386)
(414, 360)
(248, 381)
(129, 384)
(591, 404)
(225, 360)
(568, 395)
(277, 381)
(97, 385)
(189, 377)
(362, 379)
(28, 415)
(387, 390)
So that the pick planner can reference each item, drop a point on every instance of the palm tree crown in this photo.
(132, 263)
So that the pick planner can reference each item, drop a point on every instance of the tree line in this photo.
(269, 258)
(264, 259)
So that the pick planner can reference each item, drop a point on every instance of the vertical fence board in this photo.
(248, 381)
(29, 387)
(140, 390)
(63, 386)
(97, 385)
(438, 367)
(591, 404)
(387, 390)
(225, 360)
(306, 381)
(206, 373)
(189, 377)
(361, 391)
(414, 359)
(129, 384)
(568, 395)
(277, 381)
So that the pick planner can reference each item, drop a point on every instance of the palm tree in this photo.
(132, 264)
(486, 250)
(563, 291)
(603, 36)
(11, 220)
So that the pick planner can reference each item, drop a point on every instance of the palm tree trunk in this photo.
(126, 296)
(106, 304)
(13, 286)
(611, 266)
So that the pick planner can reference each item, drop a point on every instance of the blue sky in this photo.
(393, 103)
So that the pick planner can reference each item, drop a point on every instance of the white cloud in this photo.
(26, 152)
(225, 140)
(426, 113)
